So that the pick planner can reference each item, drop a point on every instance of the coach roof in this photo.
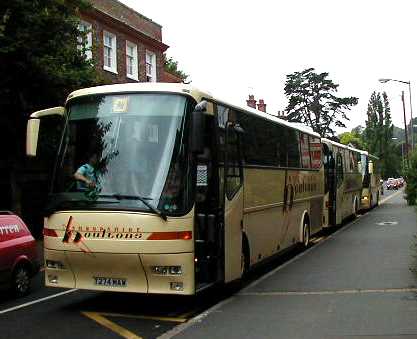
(328, 141)
(184, 90)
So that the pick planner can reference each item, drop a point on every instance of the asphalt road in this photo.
(335, 289)
(355, 284)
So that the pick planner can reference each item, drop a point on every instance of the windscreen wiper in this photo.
(143, 200)
(55, 204)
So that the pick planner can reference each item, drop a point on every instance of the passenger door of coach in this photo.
(332, 184)
(339, 188)
(233, 206)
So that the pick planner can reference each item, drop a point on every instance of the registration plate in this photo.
(110, 282)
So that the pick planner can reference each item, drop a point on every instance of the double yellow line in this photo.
(100, 318)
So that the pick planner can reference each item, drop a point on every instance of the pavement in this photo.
(357, 284)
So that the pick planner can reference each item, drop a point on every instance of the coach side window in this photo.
(305, 151)
(315, 152)
(281, 145)
(327, 166)
(339, 169)
(234, 173)
(293, 148)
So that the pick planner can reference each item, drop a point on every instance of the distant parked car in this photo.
(400, 182)
(392, 184)
(18, 255)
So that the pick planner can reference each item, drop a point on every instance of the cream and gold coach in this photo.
(343, 182)
(187, 190)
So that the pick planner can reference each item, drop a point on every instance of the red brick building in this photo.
(126, 46)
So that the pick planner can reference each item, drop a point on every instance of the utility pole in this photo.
(405, 130)
(411, 114)
(385, 80)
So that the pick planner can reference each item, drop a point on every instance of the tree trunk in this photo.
(16, 193)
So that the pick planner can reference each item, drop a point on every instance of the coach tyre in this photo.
(21, 280)
(355, 207)
(306, 234)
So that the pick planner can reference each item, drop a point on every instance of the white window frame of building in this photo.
(109, 52)
(150, 66)
(131, 60)
(86, 43)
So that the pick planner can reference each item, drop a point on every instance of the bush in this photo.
(411, 179)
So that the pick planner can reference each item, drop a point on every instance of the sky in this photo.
(234, 48)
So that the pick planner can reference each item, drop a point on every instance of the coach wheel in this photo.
(306, 235)
(21, 280)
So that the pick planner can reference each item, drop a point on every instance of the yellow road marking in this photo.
(353, 291)
(111, 325)
(187, 315)
(147, 317)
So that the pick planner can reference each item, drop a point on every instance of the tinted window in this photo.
(305, 151)
(261, 140)
(293, 148)
(327, 166)
(266, 143)
(315, 152)
(234, 173)
(339, 168)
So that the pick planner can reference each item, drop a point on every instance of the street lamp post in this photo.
(385, 80)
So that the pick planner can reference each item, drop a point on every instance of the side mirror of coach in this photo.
(371, 167)
(198, 125)
(32, 135)
(33, 125)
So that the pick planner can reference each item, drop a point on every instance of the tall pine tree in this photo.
(312, 100)
(379, 132)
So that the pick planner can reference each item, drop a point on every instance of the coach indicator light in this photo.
(55, 264)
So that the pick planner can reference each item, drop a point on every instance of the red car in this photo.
(18, 254)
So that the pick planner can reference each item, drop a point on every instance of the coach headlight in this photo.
(175, 270)
(53, 279)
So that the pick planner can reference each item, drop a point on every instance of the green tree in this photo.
(378, 134)
(351, 138)
(312, 101)
(411, 177)
(171, 66)
(40, 63)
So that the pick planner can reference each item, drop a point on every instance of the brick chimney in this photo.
(281, 115)
(251, 102)
(262, 106)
